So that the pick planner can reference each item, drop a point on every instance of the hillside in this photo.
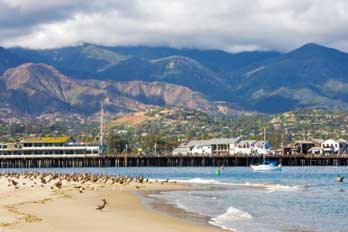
(40, 88)
(310, 76)
(9, 59)
(169, 127)
(261, 81)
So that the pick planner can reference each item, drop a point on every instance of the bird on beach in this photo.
(102, 206)
(43, 180)
(58, 184)
(14, 183)
(339, 178)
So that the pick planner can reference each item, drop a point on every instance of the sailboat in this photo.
(266, 165)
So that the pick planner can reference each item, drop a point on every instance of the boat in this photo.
(266, 165)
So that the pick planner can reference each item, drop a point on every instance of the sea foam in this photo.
(201, 181)
(270, 187)
(232, 214)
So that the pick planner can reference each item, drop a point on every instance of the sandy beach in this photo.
(27, 204)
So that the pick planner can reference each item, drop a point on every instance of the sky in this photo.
(230, 25)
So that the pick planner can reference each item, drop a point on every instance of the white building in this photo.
(208, 147)
(332, 146)
(248, 147)
(49, 146)
(224, 146)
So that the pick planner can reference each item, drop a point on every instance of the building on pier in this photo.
(63, 145)
(230, 146)
(248, 147)
(331, 146)
(207, 147)
(316, 147)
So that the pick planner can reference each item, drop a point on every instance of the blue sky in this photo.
(232, 25)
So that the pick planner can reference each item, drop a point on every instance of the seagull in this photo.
(14, 182)
(339, 178)
(58, 184)
(102, 206)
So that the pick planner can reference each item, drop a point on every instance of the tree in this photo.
(116, 144)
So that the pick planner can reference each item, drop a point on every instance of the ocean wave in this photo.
(200, 181)
(231, 214)
(182, 206)
(276, 187)
(270, 187)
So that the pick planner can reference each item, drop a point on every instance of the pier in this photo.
(61, 161)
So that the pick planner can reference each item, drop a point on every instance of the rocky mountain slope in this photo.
(310, 76)
(40, 88)
(269, 82)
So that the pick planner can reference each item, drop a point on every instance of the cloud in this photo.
(232, 25)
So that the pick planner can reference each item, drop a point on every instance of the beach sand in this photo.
(35, 207)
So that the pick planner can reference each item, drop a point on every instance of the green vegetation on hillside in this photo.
(165, 128)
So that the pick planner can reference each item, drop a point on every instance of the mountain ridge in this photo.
(264, 81)
(40, 88)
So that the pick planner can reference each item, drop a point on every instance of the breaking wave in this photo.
(270, 187)
(231, 214)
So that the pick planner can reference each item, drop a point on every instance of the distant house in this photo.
(253, 147)
(229, 146)
(182, 149)
(301, 146)
(332, 146)
(207, 147)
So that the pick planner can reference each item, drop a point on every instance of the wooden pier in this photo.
(163, 161)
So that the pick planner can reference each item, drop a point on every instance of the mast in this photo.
(264, 142)
(101, 132)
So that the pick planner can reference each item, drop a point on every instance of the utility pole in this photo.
(155, 148)
(126, 158)
(282, 144)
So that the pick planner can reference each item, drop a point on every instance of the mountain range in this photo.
(76, 78)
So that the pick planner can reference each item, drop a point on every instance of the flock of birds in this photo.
(80, 181)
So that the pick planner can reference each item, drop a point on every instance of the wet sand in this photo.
(32, 206)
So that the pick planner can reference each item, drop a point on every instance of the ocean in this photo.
(297, 199)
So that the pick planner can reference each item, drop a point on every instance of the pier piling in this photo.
(164, 161)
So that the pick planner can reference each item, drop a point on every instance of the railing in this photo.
(231, 155)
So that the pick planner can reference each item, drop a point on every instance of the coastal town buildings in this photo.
(50, 146)
(236, 146)
(332, 146)
(303, 146)
(317, 147)
(208, 147)
(248, 147)
(230, 146)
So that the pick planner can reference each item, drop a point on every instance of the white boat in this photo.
(266, 167)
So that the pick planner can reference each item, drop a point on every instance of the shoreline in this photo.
(168, 209)
(32, 206)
